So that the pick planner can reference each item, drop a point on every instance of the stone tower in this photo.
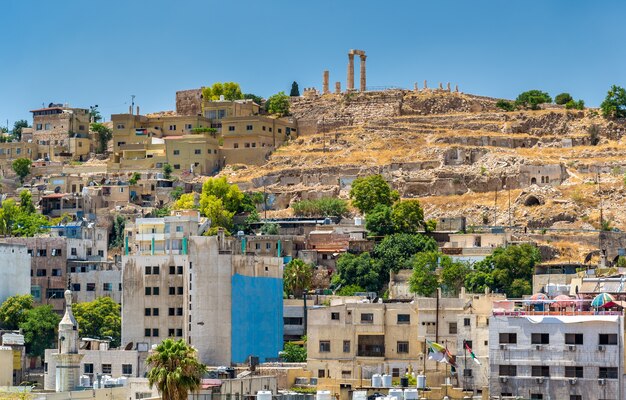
(68, 359)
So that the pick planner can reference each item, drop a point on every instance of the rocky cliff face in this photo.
(458, 153)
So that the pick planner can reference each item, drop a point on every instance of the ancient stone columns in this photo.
(363, 80)
(325, 82)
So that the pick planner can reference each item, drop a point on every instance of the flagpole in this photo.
(445, 379)
(464, 361)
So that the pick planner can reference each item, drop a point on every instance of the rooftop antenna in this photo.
(132, 101)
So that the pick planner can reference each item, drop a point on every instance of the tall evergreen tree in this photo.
(295, 91)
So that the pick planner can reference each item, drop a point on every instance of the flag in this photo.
(437, 352)
(469, 350)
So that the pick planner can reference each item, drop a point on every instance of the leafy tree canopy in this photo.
(350, 290)
(13, 311)
(324, 207)
(293, 352)
(230, 195)
(230, 90)
(17, 128)
(614, 105)
(186, 201)
(395, 251)
(295, 91)
(100, 318)
(361, 270)
(297, 277)
(21, 167)
(532, 99)
(103, 135)
(257, 99)
(39, 327)
(378, 221)
(407, 216)
(167, 170)
(368, 192)
(563, 98)
(278, 104)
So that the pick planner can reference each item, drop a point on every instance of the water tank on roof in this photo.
(377, 381)
(397, 393)
(264, 395)
(386, 380)
(322, 395)
(421, 382)
(122, 380)
(85, 381)
(410, 394)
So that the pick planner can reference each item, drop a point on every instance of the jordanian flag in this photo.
(437, 352)
(469, 350)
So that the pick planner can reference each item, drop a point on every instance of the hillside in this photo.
(458, 154)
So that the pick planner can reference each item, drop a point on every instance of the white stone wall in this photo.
(15, 270)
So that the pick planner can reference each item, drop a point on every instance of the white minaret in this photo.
(68, 359)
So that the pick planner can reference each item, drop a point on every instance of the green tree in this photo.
(29, 224)
(505, 105)
(424, 281)
(17, 128)
(94, 114)
(213, 208)
(361, 270)
(378, 221)
(230, 90)
(167, 171)
(532, 99)
(21, 167)
(614, 105)
(186, 201)
(251, 96)
(295, 91)
(174, 369)
(324, 207)
(134, 178)
(39, 328)
(177, 192)
(26, 202)
(453, 274)
(9, 213)
(278, 104)
(368, 192)
(297, 277)
(103, 135)
(13, 311)
(230, 195)
(117, 236)
(349, 290)
(250, 201)
(100, 318)
(563, 98)
(407, 216)
(269, 229)
(575, 105)
(293, 352)
(396, 251)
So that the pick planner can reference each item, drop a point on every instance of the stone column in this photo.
(415, 87)
(440, 86)
(448, 87)
(350, 83)
(325, 83)
(456, 88)
(338, 87)
(425, 84)
(363, 76)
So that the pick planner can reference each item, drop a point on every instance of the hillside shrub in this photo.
(324, 207)
(563, 98)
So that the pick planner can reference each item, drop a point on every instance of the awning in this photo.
(571, 319)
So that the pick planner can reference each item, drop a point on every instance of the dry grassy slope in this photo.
(367, 132)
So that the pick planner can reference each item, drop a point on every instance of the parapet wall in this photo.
(189, 102)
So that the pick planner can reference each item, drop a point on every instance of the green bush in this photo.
(575, 105)
(532, 99)
(614, 105)
(505, 105)
(324, 207)
(563, 98)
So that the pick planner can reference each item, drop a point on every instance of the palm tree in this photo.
(175, 369)
(297, 277)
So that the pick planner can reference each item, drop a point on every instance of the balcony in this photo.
(371, 346)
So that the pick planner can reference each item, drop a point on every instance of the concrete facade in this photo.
(557, 357)
(15, 270)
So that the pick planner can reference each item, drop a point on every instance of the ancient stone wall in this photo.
(189, 102)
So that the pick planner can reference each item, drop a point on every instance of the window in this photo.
(508, 370)
(321, 373)
(156, 270)
(40, 127)
(404, 319)
(346, 346)
(466, 322)
(508, 338)
(155, 332)
(395, 372)
(147, 312)
(248, 127)
(540, 338)
(607, 373)
(42, 272)
(76, 287)
(575, 397)
(608, 338)
(573, 372)
(236, 145)
(155, 291)
(107, 287)
(47, 127)
(180, 290)
(334, 316)
(324, 346)
(367, 318)
(403, 347)
(176, 166)
(469, 343)
(147, 332)
(253, 144)
(171, 311)
(179, 311)
(292, 321)
(246, 145)
(176, 152)
(346, 374)
(172, 127)
(452, 328)
(179, 228)
(43, 253)
(172, 290)
(127, 369)
(106, 368)
(73, 251)
(171, 332)
(172, 270)
(197, 151)
(179, 270)
(188, 126)
(91, 287)
(536, 396)
(148, 291)
(148, 270)
(540, 370)
(88, 368)
(467, 372)
(120, 126)
(573, 338)
(179, 332)
(57, 252)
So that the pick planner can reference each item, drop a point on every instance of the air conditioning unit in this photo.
(503, 347)
(573, 381)
(504, 379)
(539, 380)
(601, 381)
(572, 347)
(601, 348)
(538, 347)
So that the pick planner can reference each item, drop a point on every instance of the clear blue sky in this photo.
(101, 52)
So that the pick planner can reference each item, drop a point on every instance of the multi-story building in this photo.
(15, 270)
(61, 131)
(179, 284)
(356, 340)
(560, 355)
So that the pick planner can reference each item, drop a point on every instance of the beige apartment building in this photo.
(61, 131)
(355, 340)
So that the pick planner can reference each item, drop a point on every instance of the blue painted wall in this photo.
(257, 317)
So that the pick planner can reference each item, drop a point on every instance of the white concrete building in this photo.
(556, 356)
(67, 357)
(15, 270)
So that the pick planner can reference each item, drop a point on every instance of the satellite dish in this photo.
(57, 189)
(129, 346)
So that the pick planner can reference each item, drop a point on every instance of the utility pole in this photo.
(495, 207)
